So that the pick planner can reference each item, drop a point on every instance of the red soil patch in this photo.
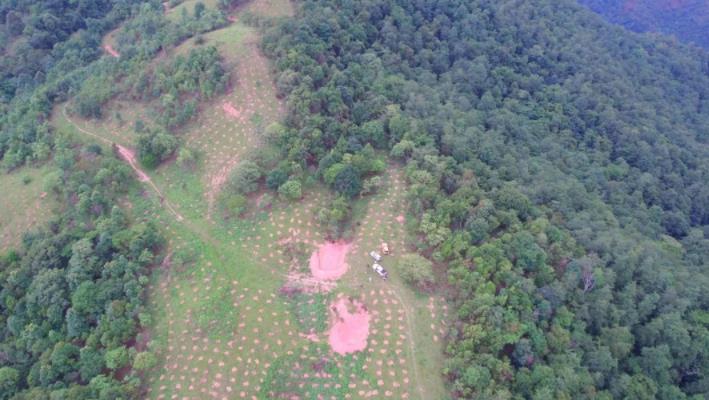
(129, 155)
(328, 261)
(230, 110)
(350, 330)
(110, 50)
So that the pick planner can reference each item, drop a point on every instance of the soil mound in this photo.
(350, 330)
(328, 261)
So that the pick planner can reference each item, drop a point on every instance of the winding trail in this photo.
(128, 156)
(412, 343)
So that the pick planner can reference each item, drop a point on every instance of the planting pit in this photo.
(328, 261)
(350, 330)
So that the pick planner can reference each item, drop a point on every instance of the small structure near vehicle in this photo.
(376, 256)
(385, 248)
(380, 271)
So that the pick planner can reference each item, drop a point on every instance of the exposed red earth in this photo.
(328, 261)
(110, 50)
(129, 156)
(230, 110)
(350, 330)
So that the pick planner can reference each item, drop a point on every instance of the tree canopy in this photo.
(556, 166)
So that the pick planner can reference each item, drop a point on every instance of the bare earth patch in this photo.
(110, 50)
(350, 330)
(129, 156)
(231, 111)
(328, 261)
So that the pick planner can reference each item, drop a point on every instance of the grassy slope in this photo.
(23, 206)
(224, 329)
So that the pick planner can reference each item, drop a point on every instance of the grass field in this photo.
(175, 13)
(23, 205)
(224, 326)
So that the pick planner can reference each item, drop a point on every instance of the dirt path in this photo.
(128, 156)
(110, 50)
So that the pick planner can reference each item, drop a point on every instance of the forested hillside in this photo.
(69, 65)
(688, 20)
(72, 298)
(557, 171)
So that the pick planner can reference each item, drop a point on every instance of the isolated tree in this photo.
(416, 270)
(244, 178)
(144, 361)
(291, 190)
(371, 185)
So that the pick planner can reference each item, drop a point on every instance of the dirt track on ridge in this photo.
(128, 155)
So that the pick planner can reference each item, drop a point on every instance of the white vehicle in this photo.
(376, 256)
(380, 271)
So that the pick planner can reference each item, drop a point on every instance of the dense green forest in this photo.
(557, 171)
(688, 20)
(72, 298)
(45, 47)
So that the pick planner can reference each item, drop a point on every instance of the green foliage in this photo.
(547, 158)
(186, 158)
(72, 294)
(9, 379)
(144, 361)
(347, 181)
(291, 190)
(183, 81)
(330, 374)
(155, 146)
(116, 358)
(72, 65)
(231, 205)
(371, 185)
(682, 20)
(244, 178)
(416, 270)
(334, 216)
(310, 312)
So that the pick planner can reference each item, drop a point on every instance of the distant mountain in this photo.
(688, 20)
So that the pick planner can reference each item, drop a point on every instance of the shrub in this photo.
(244, 179)
(416, 270)
(371, 185)
(144, 361)
(231, 205)
(291, 190)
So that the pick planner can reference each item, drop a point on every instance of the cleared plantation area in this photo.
(175, 13)
(24, 204)
(406, 344)
(235, 310)
(230, 328)
(231, 125)
(270, 8)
